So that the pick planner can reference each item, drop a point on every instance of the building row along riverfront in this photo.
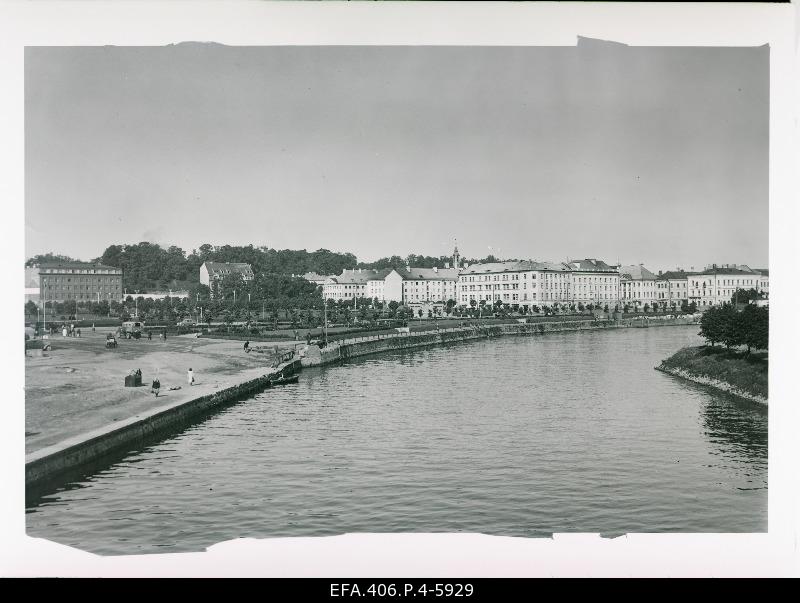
(530, 283)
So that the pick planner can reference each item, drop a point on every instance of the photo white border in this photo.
(271, 23)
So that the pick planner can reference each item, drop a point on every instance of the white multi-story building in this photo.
(428, 285)
(717, 285)
(349, 285)
(637, 286)
(594, 282)
(508, 282)
(672, 287)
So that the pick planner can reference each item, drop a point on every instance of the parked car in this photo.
(187, 322)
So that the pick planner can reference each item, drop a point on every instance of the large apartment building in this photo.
(637, 286)
(79, 281)
(717, 284)
(594, 282)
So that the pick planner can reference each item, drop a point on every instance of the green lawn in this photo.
(747, 372)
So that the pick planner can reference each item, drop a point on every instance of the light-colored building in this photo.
(79, 281)
(349, 285)
(637, 286)
(514, 282)
(763, 281)
(717, 285)
(672, 287)
(594, 282)
(428, 285)
(215, 271)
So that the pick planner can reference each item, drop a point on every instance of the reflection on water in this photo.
(520, 436)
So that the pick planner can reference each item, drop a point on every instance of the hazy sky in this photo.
(653, 155)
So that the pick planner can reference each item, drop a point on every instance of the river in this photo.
(513, 436)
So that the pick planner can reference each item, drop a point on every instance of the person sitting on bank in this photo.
(156, 386)
(246, 346)
(190, 377)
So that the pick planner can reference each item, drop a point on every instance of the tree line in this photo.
(732, 328)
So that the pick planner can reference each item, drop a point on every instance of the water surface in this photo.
(514, 436)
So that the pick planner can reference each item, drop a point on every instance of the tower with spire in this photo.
(456, 255)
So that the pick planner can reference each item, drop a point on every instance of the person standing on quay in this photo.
(190, 377)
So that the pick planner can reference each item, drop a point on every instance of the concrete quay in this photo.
(362, 346)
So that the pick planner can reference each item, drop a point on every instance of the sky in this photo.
(652, 155)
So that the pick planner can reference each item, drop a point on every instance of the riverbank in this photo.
(374, 344)
(78, 410)
(78, 386)
(734, 372)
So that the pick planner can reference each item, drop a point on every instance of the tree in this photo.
(30, 308)
(757, 327)
(744, 296)
(49, 258)
(692, 307)
(581, 307)
(712, 326)
(646, 308)
(732, 326)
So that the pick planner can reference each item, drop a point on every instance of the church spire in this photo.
(456, 255)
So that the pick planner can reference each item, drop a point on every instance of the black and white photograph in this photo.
(509, 293)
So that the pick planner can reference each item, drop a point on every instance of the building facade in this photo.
(672, 287)
(595, 282)
(79, 281)
(215, 271)
(638, 286)
(717, 285)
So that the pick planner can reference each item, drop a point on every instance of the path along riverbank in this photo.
(78, 411)
(362, 346)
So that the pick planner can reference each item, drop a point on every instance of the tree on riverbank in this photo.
(724, 324)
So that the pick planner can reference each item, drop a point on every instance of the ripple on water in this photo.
(518, 436)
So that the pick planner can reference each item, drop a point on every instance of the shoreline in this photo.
(722, 386)
(367, 345)
(743, 375)
(51, 466)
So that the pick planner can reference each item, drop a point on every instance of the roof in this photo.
(637, 273)
(515, 266)
(75, 266)
(215, 267)
(359, 276)
(726, 271)
(675, 275)
(762, 271)
(429, 274)
(591, 265)
(313, 276)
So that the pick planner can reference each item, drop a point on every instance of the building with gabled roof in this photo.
(215, 271)
(637, 286)
(594, 282)
(672, 287)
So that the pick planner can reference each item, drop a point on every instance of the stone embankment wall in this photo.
(72, 457)
(361, 346)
